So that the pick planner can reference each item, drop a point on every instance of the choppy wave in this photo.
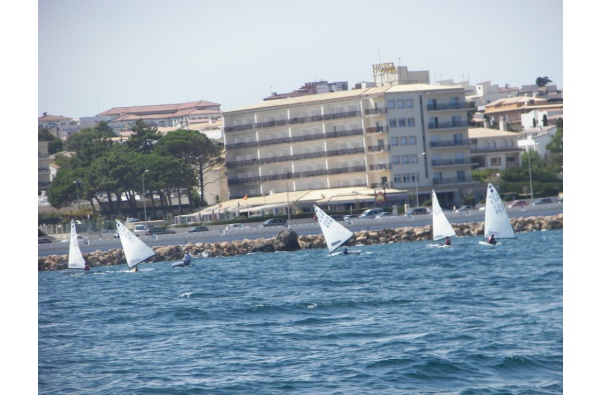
(398, 319)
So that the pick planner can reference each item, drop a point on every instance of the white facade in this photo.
(527, 120)
(486, 93)
(536, 139)
(494, 149)
(364, 137)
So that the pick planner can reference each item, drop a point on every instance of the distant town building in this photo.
(61, 127)
(311, 88)
(494, 149)
(182, 116)
(43, 166)
(371, 137)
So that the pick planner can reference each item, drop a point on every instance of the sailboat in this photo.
(76, 260)
(136, 251)
(335, 233)
(497, 222)
(441, 227)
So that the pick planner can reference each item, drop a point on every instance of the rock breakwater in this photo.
(288, 240)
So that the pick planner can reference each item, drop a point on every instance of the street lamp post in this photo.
(77, 189)
(530, 180)
(144, 196)
(287, 175)
(417, 176)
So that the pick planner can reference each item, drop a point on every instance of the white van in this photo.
(370, 213)
(139, 229)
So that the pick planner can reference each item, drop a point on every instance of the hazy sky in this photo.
(94, 55)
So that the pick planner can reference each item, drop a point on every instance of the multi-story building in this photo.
(59, 126)
(43, 166)
(403, 136)
(494, 149)
(510, 110)
(182, 115)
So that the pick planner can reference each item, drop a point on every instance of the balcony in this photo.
(296, 175)
(449, 143)
(378, 167)
(294, 139)
(377, 129)
(376, 111)
(452, 180)
(448, 125)
(377, 148)
(290, 158)
(292, 121)
(446, 106)
(451, 162)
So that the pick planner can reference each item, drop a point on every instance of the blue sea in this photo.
(397, 319)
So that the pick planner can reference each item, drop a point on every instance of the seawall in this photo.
(230, 248)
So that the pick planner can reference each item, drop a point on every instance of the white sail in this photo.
(335, 233)
(497, 222)
(136, 251)
(441, 226)
(76, 260)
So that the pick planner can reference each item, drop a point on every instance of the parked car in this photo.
(370, 213)
(79, 237)
(198, 229)
(274, 222)
(463, 208)
(337, 217)
(384, 214)
(236, 226)
(542, 201)
(44, 240)
(158, 230)
(417, 211)
(518, 203)
(350, 217)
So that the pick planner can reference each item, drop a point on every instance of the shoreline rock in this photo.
(288, 240)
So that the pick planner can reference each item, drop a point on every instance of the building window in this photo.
(496, 161)
(405, 160)
(397, 179)
(400, 103)
(412, 140)
(409, 103)
(411, 121)
(395, 160)
(391, 104)
(407, 178)
(393, 123)
(394, 141)
(403, 141)
(402, 122)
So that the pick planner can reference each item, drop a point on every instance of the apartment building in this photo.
(43, 166)
(405, 136)
(494, 149)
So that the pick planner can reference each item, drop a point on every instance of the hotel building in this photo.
(411, 137)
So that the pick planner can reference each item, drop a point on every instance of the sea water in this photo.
(397, 319)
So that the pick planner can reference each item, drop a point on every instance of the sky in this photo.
(95, 55)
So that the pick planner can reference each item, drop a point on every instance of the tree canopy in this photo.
(102, 170)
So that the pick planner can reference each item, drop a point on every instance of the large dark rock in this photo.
(287, 240)
(266, 247)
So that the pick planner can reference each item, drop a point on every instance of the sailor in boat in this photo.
(187, 258)
(135, 269)
(86, 267)
(346, 251)
(447, 242)
(491, 240)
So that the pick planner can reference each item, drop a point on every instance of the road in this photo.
(217, 233)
